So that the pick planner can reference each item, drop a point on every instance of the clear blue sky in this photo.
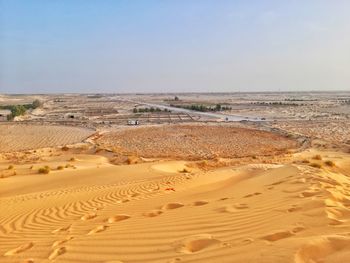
(173, 46)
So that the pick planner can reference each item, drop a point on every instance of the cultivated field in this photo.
(192, 142)
(24, 137)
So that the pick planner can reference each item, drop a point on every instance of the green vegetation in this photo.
(18, 110)
(276, 103)
(151, 109)
(202, 108)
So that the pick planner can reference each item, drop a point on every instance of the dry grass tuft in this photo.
(44, 170)
(317, 157)
(316, 165)
(185, 170)
(329, 163)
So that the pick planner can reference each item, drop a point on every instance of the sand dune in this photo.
(154, 212)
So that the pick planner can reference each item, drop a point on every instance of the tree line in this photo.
(151, 109)
(202, 108)
(18, 110)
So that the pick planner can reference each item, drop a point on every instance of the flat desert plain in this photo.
(174, 193)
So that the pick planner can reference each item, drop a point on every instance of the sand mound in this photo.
(284, 213)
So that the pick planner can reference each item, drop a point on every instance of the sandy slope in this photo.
(151, 212)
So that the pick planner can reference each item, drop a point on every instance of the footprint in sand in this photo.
(196, 243)
(283, 234)
(19, 249)
(60, 242)
(125, 200)
(241, 206)
(88, 216)
(172, 206)
(199, 203)
(57, 252)
(153, 213)
(30, 260)
(247, 241)
(298, 229)
(117, 218)
(294, 208)
(278, 235)
(61, 229)
(310, 193)
(251, 195)
(97, 229)
(232, 208)
(174, 260)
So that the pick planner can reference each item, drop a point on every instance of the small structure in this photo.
(133, 122)
(73, 115)
(4, 115)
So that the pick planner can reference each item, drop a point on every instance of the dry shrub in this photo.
(10, 167)
(316, 165)
(65, 148)
(317, 157)
(60, 167)
(329, 163)
(44, 170)
(185, 170)
(305, 161)
(132, 159)
(72, 159)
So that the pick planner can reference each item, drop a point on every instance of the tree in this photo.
(36, 104)
(176, 98)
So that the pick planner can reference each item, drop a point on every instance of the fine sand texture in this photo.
(169, 211)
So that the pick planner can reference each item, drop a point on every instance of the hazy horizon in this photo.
(173, 46)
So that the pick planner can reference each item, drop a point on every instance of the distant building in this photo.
(4, 115)
(133, 122)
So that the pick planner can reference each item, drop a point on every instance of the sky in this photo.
(122, 46)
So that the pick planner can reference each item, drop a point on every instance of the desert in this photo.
(82, 181)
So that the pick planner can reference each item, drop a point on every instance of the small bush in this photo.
(329, 163)
(60, 167)
(72, 159)
(316, 165)
(44, 170)
(317, 157)
(10, 167)
(65, 148)
(305, 161)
